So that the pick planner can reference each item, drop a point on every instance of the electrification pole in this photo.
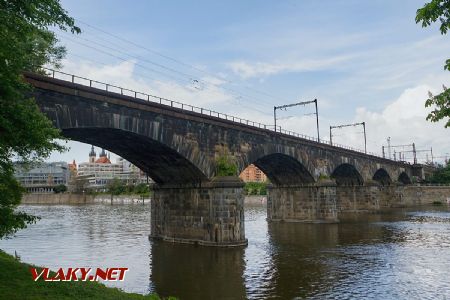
(317, 121)
(389, 147)
(432, 160)
(297, 104)
(275, 118)
(363, 124)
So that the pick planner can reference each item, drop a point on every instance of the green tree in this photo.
(441, 104)
(255, 188)
(142, 189)
(225, 166)
(26, 44)
(441, 175)
(431, 12)
(116, 187)
(60, 188)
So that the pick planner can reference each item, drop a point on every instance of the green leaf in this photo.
(25, 133)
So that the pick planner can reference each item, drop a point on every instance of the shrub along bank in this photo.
(255, 188)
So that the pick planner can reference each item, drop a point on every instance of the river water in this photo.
(400, 254)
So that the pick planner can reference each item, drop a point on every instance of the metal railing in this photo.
(187, 107)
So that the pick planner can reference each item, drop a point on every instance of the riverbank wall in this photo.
(328, 203)
(61, 198)
(412, 195)
(377, 197)
(67, 198)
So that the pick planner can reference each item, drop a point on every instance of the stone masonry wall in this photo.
(210, 215)
(326, 203)
(423, 195)
(302, 204)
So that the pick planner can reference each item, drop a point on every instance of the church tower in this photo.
(92, 155)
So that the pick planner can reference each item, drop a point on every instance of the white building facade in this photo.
(43, 177)
(100, 171)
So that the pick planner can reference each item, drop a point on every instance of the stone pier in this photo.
(309, 203)
(211, 214)
(360, 197)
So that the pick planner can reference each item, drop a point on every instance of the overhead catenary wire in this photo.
(187, 81)
(175, 60)
(182, 76)
(145, 68)
(191, 78)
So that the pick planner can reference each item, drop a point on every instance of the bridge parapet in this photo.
(183, 106)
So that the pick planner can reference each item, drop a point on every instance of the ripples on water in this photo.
(394, 255)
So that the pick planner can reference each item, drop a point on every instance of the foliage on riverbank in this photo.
(16, 283)
(26, 134)
(255, 188)
(117, 187)
(441, 175)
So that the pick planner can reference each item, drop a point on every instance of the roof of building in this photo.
(103, 160)
(73, 165)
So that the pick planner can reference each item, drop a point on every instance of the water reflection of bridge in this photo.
(283, 260)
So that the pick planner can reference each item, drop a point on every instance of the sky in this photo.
(363, 60)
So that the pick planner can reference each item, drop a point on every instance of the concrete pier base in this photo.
(211, 214)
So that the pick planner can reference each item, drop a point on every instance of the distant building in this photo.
(42, 178)
(253, 174)
(100, 171)
(73, 168)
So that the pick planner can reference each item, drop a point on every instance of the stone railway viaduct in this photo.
(179, 149)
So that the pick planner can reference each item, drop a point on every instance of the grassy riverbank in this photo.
(16, 283)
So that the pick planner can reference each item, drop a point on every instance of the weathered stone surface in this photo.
(212, 214)
(328, 203)
(178, 149)
(178, 146)
(302, 204)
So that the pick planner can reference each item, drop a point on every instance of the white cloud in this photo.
(248, 70)
(404, 120)
(204, 93)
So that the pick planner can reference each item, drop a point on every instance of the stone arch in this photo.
(382, 177)
(404, 178)
(162, 163)
(347, 174)
(282, 169)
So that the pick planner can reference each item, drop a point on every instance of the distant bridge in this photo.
(178, 145)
